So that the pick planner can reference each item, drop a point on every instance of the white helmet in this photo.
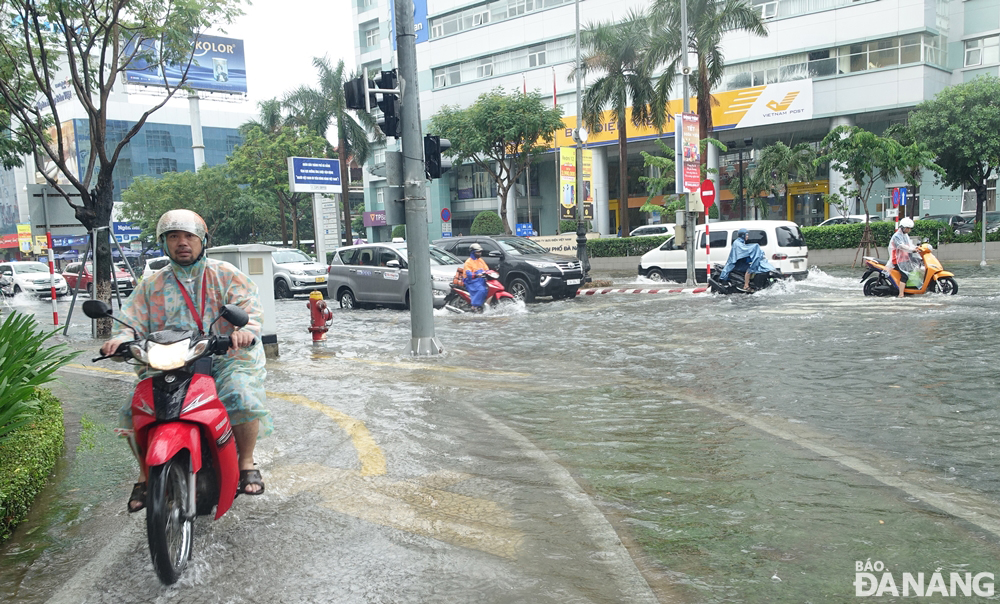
(906, 223)
(181, 220)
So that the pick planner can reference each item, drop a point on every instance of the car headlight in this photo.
(296, 274)
(538, 264)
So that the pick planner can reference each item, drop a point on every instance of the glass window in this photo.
(753, 236)
(485, 68)
(718, 239)
(385, 255)
(72, 268)
(161, 165)
(789, 236)
(462, 249)
(991, 50)
(285, 256)
(371, 37)
(30, 267)
(536, 55)
(973, 53)
(348, 256)
(521, 246)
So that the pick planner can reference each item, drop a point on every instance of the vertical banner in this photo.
(688, 149)
(567, 184)
(24, 237)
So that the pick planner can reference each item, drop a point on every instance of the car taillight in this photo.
(779, 257)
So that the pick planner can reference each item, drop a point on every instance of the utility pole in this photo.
(422, 339)
(689, 216)
(580, 136)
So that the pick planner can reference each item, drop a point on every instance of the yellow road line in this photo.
(101, 369)
(369, 453)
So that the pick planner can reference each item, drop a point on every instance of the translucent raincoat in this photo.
(157, 303)
(746, 257)
(901, 253)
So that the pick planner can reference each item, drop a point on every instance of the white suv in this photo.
(296, 273)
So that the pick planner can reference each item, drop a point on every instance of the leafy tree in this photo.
(319, 108)
(89, 43)
(399, 231)
(960, 127)
(777, 166)
(616, 52)
(487, 223)
(501, 133)
(233, 215)
(14, 144)
(262, 162)
(708, 22)
(658, 185)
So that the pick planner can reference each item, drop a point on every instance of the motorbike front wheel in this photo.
(169, 526)
(457, 303)
(947, 286)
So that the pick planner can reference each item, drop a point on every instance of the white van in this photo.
(781, 241)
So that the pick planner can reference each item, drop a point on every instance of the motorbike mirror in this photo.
(235, 315)
(95, 309)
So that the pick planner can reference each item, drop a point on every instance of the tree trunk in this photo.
(96, 213)
(345, 183)
(294, 202)
(281, 214)
(622, 177)
(704, 104)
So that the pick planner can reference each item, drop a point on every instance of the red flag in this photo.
(555, 101)
(524, 82)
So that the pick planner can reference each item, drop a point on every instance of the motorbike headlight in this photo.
(168, 356)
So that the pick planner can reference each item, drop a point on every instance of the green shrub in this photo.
(846, 236)
(399, 231)
(25, 364)
(569, 226)
(27, 457)
(614, 247)
(487, 223)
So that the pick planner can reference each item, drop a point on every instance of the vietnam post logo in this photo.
(785, 102)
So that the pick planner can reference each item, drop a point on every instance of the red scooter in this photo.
(182, 432)
(460, 301)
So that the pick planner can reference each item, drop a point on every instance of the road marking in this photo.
(371, 456)
(421, 507)
(430, 367)
(659, 290)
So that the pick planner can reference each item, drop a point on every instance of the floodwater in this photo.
(744, 449)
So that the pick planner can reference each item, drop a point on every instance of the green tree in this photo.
(319, 108)
(663, 165)
(14, 143)
(89, 43)
(399, 231)
(708, 22)
(262, 162)
(501, 133)
(960, 127)
(616, 53)
(777, 166)
(487, 223)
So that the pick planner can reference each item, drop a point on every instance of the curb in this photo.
(611, 290)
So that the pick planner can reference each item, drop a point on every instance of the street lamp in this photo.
(747, 142)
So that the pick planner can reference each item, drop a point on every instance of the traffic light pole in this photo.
(422, 340)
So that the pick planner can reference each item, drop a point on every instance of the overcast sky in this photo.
(281, 38)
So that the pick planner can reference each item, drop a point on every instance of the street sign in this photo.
(707, 192)
(445, 215)
(314, 175)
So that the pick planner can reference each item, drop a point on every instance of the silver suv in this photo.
(296, 273)
(376, 274)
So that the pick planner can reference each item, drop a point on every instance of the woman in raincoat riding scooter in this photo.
(475, 282)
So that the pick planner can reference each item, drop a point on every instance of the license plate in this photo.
(796, 263)
(320, 279)
(572, 282)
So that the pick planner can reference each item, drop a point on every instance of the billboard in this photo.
(567, 184)
(314, 175)
(218, 66)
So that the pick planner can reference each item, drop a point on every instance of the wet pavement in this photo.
(748, 449)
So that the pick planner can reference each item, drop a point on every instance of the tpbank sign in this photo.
(757, 106)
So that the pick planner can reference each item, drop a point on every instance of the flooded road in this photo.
(744, 449)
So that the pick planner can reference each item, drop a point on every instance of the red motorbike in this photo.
(182, 432)
(459, 300)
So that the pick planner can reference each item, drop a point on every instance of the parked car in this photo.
(961, 224)
(153, 265)
(850, 219)
(526, 269)
(296, 273)
(781, 241)
(31, 278)
(656, 230)
(376, 274)
(72, 273)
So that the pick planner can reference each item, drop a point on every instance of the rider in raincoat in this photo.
(475, 282)
(901, 253)
(187, 295)
(746, 257)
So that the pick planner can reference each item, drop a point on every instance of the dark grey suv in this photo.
(526, 268)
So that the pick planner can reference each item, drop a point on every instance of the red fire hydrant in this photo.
(320, 316)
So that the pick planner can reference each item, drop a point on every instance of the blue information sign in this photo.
(524, 229)
(314, 175)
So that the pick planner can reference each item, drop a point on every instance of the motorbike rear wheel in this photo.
(169, 525)
(947, 286)
(873, 287)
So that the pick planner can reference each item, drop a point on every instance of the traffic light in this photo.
(434, 165)
(389, 104)
(354, 94)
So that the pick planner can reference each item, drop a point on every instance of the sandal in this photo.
(138, 496)
(249, 477)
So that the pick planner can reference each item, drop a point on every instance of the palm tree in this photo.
(319, 108)
(777, 166)
(708, 22)
(617, 53)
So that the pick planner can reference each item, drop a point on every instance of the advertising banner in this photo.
(9, 214)
(373, 219)
(419, 22)
(24, 237)
(70, 155)
(686, 140)
(218, 65)
(757, 106)
(567, 184)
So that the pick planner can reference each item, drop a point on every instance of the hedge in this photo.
(841, 236)
(27, 459)
(614, 247)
